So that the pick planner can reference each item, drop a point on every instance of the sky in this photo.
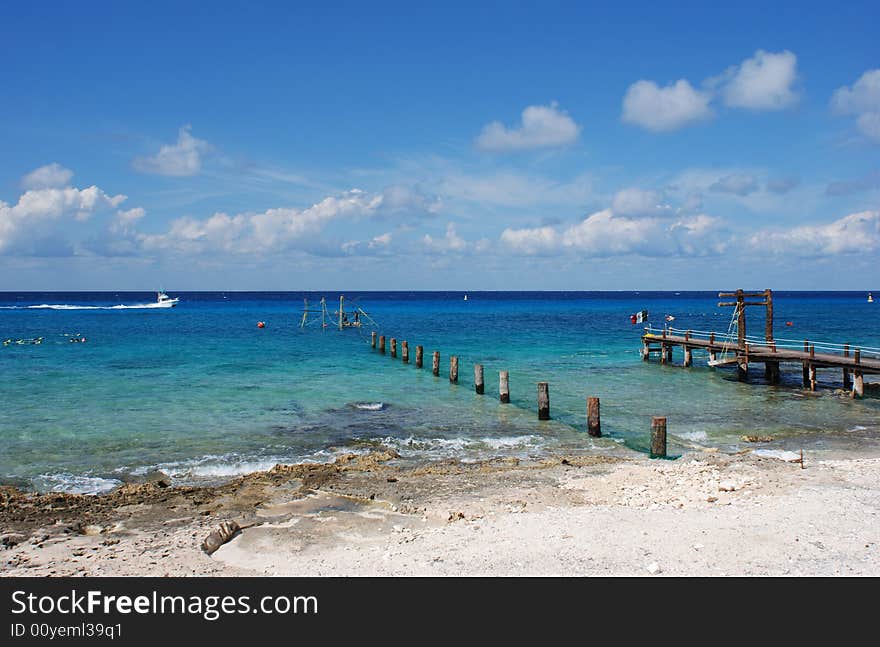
(439, 146)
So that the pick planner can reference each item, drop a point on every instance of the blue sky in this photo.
(446, 146)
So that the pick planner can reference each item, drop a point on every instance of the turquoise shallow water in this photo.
(202, 393)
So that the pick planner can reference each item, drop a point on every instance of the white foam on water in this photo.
(858, 428)
(694, 435)
(779, 454)
(65, 306)
(449, 446)
(369, 406)
(73, 484)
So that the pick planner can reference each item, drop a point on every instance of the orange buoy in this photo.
(261, 324)
(788, 323)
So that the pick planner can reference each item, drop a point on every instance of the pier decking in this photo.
(738, 349)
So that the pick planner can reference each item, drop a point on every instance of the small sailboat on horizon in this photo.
(870, 298)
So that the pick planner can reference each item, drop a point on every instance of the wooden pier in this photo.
(736, 348)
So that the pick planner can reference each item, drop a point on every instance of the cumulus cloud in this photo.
(47, 177)
(533, 241)
(668, 108)
(399, 201)
(763, 82)
(181, 159)
(451, 242)
(605, 233)
(25, 226)
(738, 184)
(857, 233)
(540, 127)
(862, 99)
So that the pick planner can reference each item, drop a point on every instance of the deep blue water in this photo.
(203, 393)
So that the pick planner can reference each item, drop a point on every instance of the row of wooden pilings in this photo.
(594, 426)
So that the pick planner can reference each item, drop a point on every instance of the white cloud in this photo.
(763, 82)
(126, 220)
(47, 177)
(782, 185)
(669, 108)
(451, 242)
(605, 233)
(531, 241)
(181, 159)
(512, 189)
(738, 184)
(857, 233)
(863, 100)
(34, 218)
(541, 127)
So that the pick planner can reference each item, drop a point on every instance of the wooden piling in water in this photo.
(373, 339)
(419, 352)
(382, 344)
(847, 377)
(658, 437)
(812, 375)
(453, 369)
(504, 386)
(688, 356)
(771, 372)
(859, 381)
(393, 347)
(435, 363)
(479, 387)
(594, 425)
(663, 351)
(404, 351)
(543, 401)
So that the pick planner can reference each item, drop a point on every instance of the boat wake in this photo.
(48, 306)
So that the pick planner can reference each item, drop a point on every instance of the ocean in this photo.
(202, 393)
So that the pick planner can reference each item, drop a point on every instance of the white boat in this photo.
(870, 298)
(465, 297)
(164, 301)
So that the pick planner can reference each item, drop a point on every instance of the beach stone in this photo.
(159, 478)
(711, 499)
(654, 568)
(727, 486)
(10, 539)
(220, 535)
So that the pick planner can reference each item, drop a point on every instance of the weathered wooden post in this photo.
(688, 356)
(646, 350)
(373, 339)
(382, 344)
(771, 372)
(419, 352)
(404, 351)
(859, 381)
(663, 352)
(806, 365)
(768, 325)
(594, 426)
(478, 379)
(812, 376)
(453, 369)
(742, 366)
(847, 376)
(658, 437)
(393, 347)
(435, 363)
(504, 386)
(543, 401)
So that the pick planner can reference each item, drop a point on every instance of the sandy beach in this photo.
(703, 514)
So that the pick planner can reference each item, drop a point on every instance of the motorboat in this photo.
(164, 301)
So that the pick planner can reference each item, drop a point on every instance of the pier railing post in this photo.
(594, 425)
(419, 352)
(453, 369)
(435, 363)
(404, 351)
(543, 401)
(658, 437)
(382, 344)
(478, 379)
(504, 386)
